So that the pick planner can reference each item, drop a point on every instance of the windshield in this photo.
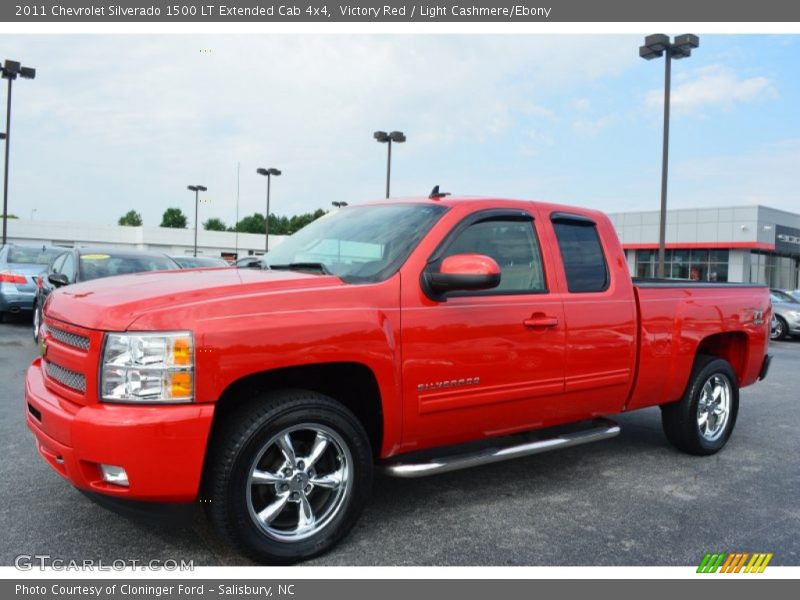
(358, 244)
(95, 266)
(778, 296)
(193, 262)
(32, 256)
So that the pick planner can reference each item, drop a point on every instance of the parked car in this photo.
(793, 293)
(85, 264)
(786, 315)
(19, 266)
(417, 337)
(249, 262)
(198, 262)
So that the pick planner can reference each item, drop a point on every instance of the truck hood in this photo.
(114, 303)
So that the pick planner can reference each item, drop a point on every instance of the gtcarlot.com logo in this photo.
(734, 562)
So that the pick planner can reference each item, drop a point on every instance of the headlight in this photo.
(148, 367)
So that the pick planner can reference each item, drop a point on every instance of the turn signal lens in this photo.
(182, 351)
(180, 385)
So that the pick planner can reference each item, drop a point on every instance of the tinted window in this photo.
(95, 266)
(31, 256)
(69, 267)
(512, 244)
(582, 254)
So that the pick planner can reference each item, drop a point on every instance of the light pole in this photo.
(655, 46)
(339, 204)
(33, 211)
(388, 138)
(10, 70)
(268, 173)
(196, 189)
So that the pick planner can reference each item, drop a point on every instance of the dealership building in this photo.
(755, 244)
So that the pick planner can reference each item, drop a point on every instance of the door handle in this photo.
(539, 320)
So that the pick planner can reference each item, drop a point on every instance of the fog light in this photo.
(114, 474)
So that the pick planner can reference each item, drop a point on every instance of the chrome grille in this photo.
(70, 339)
(65, 377)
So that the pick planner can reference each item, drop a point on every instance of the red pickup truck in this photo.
(414, 336)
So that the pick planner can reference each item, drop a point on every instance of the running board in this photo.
(600, 429)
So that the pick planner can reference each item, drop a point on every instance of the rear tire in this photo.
(702, 421)
(288, 475)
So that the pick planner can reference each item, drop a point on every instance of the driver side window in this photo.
(513, 245)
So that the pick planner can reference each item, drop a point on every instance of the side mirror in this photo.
(58, 279)
(465, 272)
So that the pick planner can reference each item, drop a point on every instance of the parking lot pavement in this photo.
(632, 500)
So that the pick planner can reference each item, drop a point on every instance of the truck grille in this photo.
(70, 339)
(65, 377)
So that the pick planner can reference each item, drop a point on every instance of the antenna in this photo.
(436, 194)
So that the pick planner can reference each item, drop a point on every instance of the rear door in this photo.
(599, 313)
(481, 364)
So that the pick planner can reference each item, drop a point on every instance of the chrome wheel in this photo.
(299, 482)
(776, 332)
(714, 406)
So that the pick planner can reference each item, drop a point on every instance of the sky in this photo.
(113, 123)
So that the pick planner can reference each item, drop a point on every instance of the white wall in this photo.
(162, 239)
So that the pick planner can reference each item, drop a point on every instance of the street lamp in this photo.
(339, 204)
(10, 70)
(655, 46)
(388, 138)
(196, 189)
(268, 173)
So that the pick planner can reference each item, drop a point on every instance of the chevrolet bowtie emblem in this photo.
(43, 347)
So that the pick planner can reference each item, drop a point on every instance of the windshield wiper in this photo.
(301, 266)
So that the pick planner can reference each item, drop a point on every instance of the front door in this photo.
(488, 363)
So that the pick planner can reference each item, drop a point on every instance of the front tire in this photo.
(288, 475)
(702, 421)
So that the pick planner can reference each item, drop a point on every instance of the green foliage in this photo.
(131, 219)
(214, 224)
(174, 218)
(278, 225)
(10, 216)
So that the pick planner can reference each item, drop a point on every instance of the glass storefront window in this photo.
(697, 265)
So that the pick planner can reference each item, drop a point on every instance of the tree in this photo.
(252, 224)
(10, 216)
(131, 219)
(214, 224)
(277, 225)
(174, 218)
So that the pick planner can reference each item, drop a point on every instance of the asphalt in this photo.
(631, 500)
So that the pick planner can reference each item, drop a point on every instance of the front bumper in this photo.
(162, 448)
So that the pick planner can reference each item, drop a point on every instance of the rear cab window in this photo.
(581, 253)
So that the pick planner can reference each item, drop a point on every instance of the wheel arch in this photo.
(353, 384)
(732, 346)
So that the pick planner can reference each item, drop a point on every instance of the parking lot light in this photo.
(655, 46)
(339, 204)
(387, 138)
(10, 70)
(196, 189)
(268, 173)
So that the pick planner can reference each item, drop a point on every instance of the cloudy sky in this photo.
(118, 122)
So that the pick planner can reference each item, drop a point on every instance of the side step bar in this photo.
(601, 429)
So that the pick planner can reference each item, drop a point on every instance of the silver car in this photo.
(19, 266)
(785, 315)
